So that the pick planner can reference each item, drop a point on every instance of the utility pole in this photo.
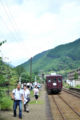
(35, 79)
(31, 69)
(20, 80)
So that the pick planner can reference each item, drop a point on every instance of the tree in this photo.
(19, 70)
(2, 42)
(8, 79)
(75, 77)
(25, 77)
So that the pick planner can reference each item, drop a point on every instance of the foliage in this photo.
(40, 102)
(6, 103)
(8, 79)
(62, 58)
(19, 70)
(76, 76)
(1, 43)
(78, 86)
(25, 77)
(66, 85)
(8, 75)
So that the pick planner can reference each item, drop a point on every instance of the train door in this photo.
(54, 82)
(60, 83)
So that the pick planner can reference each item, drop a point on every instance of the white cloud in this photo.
(38, 27)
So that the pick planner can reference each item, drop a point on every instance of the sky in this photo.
(33, 26)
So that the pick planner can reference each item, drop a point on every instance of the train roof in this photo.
(57, 75)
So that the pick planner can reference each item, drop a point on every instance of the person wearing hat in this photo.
(36, 92)
(26, 94)
(17, 96)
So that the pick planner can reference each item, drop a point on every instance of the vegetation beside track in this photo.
(66, 85)
(9, 77)
(77, 86)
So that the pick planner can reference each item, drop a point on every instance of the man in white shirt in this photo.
(17, 96)
(26, 94)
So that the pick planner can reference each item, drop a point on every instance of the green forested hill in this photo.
(62, 58)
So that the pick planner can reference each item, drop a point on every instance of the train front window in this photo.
(59, 79)
(54, 80)
(49, 81)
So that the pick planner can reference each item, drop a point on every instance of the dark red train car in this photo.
(54, 83)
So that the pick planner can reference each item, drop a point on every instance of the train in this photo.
(53, 83)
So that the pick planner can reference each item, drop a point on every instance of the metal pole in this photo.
(20, 80)
(35, 79)
(31, 69)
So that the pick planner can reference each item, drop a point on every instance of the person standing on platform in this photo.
(36, 92)
(17, 96)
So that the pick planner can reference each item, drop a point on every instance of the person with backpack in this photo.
(17, 96)
(26, 93)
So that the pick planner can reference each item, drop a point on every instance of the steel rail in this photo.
(76, 94)
(58, 108)
(69, 106)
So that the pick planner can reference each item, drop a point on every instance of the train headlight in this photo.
(54, 84)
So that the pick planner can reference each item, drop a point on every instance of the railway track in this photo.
(72, 92)
(63, 118)
(75, 89)
(62, 110)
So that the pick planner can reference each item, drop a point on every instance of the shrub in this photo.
(66, 85)
(78, 86)
(6, 103)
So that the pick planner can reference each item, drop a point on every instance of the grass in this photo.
(78, 86)
(2, 118)
(40, 102)
(31, 93)
(66, 85)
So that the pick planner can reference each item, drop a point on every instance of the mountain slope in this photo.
(63, 57)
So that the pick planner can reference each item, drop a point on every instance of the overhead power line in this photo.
(11, 19)
(11, 16)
